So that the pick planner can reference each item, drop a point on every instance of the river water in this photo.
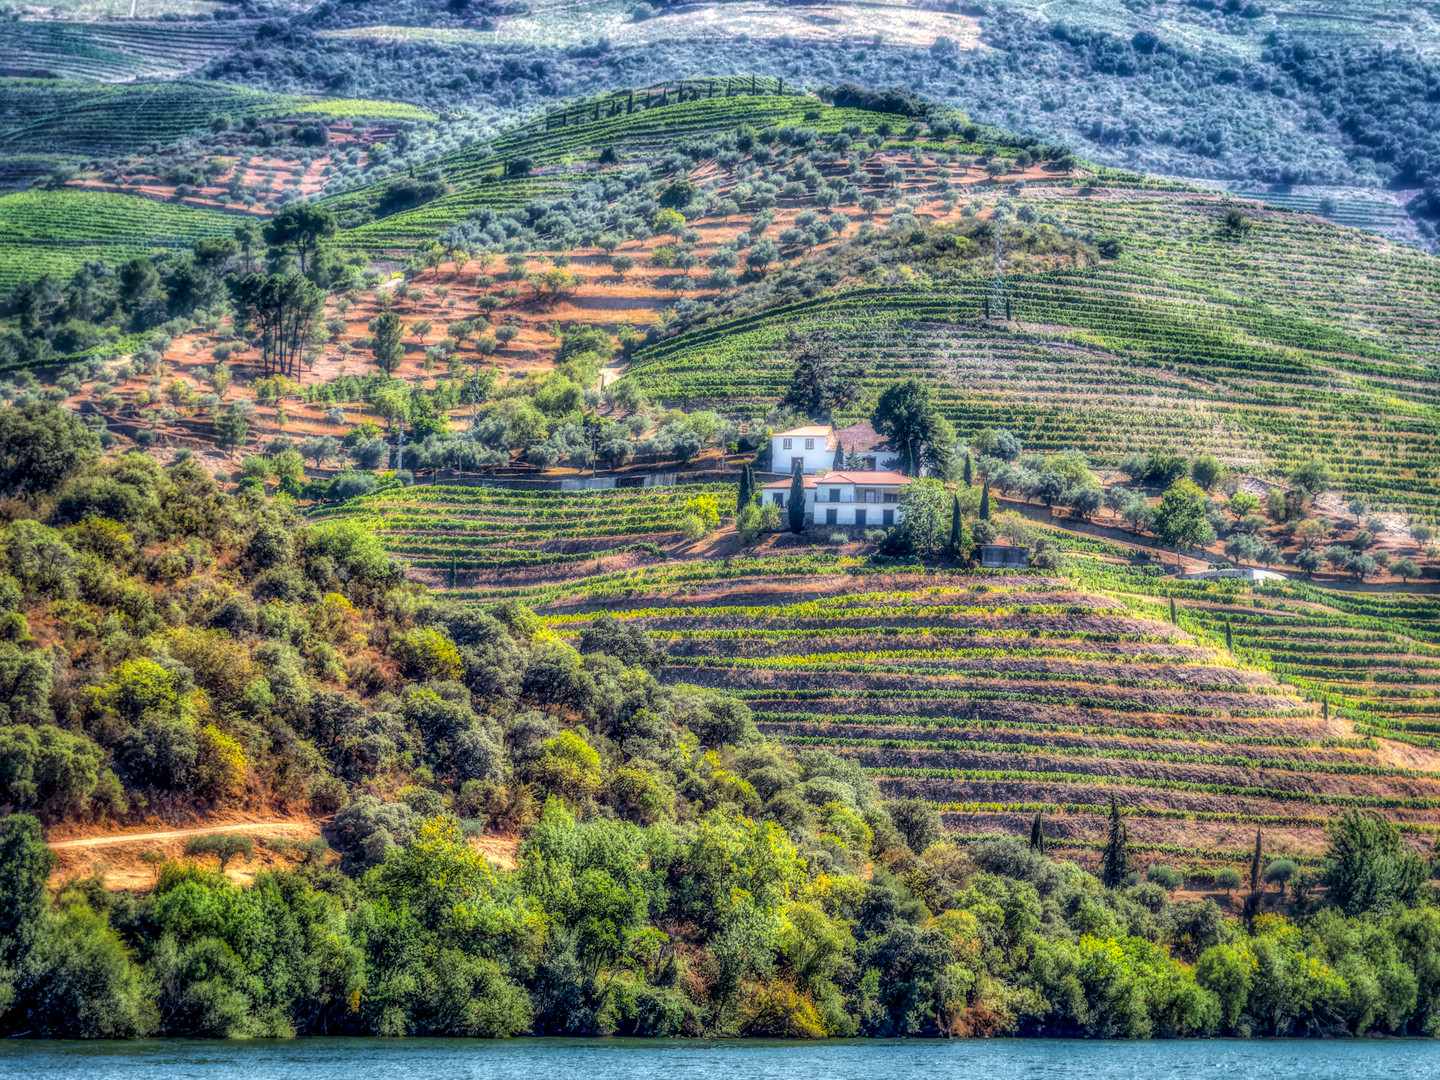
(635, 1059)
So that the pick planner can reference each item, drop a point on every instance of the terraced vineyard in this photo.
(1299, 339)
(57, 232)
(88, 119)
(472, 528)
(115, 51)
(997, 696)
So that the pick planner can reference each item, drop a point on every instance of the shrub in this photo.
(1167, 877)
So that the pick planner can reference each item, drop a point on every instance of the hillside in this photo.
(392, 641)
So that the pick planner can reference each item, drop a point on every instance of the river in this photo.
(635, 1059)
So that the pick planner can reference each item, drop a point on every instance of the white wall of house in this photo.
(781, 499)
(810, 449)
(856, 504)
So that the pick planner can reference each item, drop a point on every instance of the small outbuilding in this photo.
(1004, 556)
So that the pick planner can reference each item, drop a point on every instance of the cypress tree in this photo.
(1229, 641)
(1115, 859)
(957, 527)
(839, 462)
(797, 501)
(452, 571)
(1255, 865)
(743, 497)
(969, 472)
(1037, 835)
(1325, 708)
(985, 504)
(1173, 620)
(1252, 902)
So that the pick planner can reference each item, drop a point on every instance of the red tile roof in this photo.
(808, 481)
(866, 479)
(861, 438)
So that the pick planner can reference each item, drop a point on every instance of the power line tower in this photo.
(997, 290)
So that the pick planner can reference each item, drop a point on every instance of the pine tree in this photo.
(969, 472)
(985, 504)
(797, 501)
(1037, 834)
(1115, 859)
(839, 462)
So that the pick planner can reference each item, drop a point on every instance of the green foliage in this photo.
(42, 446)
(1369, 867)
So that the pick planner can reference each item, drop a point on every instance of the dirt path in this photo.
(175, 834)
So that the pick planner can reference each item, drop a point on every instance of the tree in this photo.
(622, 264)
(985, 503)
(918, 822)
(925, 510)
(223, 846)
(1227, 878)
(283, 310)
(1115, 863)
(958, 540)
(839, 462)
(1312, 477)
(1037, 834)
(386, 331)
(25, 866)
(797, 501)
(1369, 867)
(1206, 471)
(1180, 519)
(553, 285)
(231, 428)
(41, 446)
(746, 493)
(905, 416)
(821, 381)
(303, 227)
(1406, 568)
(1235, 223)
(969, 471)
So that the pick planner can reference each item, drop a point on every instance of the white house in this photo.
(866, 499)
(814, 448)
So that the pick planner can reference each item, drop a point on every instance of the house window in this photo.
(794, 461)
(785, 445)
(870, 496)
(831, 516)
(778, 499)
(892, 496)
(834, 494)
(870, 464)
(888, 516)
(859, 517)
(809, 444)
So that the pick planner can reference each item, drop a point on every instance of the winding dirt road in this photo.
(176, 834)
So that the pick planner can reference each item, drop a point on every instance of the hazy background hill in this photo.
(1323, 106)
